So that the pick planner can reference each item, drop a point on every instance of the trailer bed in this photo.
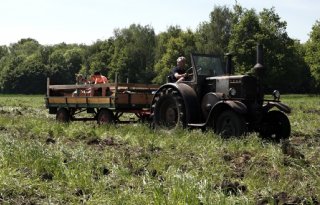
(67, 101)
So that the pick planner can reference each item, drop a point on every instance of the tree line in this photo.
(136, 54)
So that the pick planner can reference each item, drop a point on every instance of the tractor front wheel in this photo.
(230, 123)
(275, 126)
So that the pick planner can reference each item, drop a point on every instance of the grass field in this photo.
(45, 162)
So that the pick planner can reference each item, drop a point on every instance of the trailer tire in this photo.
(63, 115)
(105, 116)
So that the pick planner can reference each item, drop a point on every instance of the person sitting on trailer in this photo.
(80, 80)
(98, 78)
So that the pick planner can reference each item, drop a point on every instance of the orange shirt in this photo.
(100, 79)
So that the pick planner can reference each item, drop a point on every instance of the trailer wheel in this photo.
(275, 126)
(168, 109)
(105, 116)
(229, 123)
(63, 115)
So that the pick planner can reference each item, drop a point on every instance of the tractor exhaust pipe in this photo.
(258, 69)
(260, 54)
(229, 68)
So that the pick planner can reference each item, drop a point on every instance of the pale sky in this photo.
(85, 21)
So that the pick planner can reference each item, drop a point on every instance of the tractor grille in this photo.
(246, 87)
(249, 87)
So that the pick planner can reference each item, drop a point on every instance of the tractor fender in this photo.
(282, 107)
(223, 105)
(189, 97)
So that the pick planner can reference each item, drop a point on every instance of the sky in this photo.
(86, 21)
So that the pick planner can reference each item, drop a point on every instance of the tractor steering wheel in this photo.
(188, 73)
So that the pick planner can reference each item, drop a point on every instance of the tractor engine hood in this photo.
(236, 86)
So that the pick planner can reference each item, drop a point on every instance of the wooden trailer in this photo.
(105, 103)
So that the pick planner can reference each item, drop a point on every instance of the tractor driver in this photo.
(179, 72)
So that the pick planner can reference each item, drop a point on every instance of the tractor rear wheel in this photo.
(230, 123)
(168, 109)
(275, 126)
(63, 115)
(105, 116)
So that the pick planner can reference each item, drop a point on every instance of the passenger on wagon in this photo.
(97, 78)
(80, 80)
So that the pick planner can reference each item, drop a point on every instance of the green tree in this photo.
(133, 57)
(24, 47)
(244, 38)
(285, 67)
(30, 76)
(97, 57)
(64, 62)
(58, 67)
(4, 51)
(313, 54)
(9, 72)
(73, 59)
(213, 36)
(22, 69)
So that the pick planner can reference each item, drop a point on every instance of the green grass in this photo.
(45, 162)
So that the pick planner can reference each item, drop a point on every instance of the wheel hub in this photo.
(170, 116)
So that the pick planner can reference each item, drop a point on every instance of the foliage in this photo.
(133, 56)
(136, 54)
(64, 61)
(28, 64)
(313, 53)
(244, 39)
(45, 162)
(285, 67)
(3, 51)
(213, 36)
(97, 57)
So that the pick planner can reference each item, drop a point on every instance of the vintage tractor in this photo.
(231, 105)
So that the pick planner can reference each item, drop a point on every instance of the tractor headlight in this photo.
(232, 92)
(276, 95)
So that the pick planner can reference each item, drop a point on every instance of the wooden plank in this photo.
(77, 100)
(48, 84)
(98, 100)
(85, 86)
(122, 98)
(149, 98)
(66, 89)
(139, 98)
(138, 86)
(57, 100)
(134, 98)
(80, 100)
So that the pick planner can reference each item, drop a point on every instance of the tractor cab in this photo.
(206, 65)
(203, 67)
